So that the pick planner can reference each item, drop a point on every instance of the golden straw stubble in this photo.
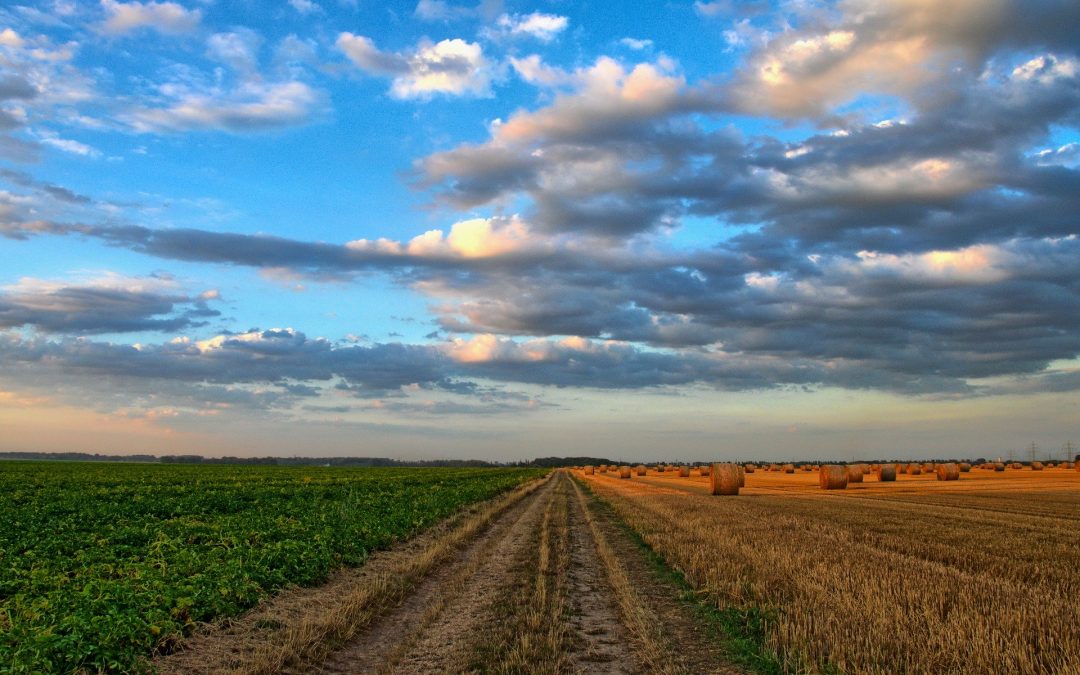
(725, 479)
(833, 477)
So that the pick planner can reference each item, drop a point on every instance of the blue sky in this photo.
(504, 230)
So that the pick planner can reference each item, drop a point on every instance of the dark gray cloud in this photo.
(14, 86)
(237, 370)
(16, 149)
(109, 307)
(56, 192)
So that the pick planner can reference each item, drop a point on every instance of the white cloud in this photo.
(238, 49)
(9, 38)
(68, 145)
(453, 67)
(293, 50)
(605, 91)
(474, 238)
(635, 44)
(982, 263)
(305, 6)
(1047, 68)
(164, 17)
(543, 27)
(441, 10)
(254, 106)
(712, 9)
(436, 10)
(534, 71)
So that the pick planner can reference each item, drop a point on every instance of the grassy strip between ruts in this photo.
(740, 630)
(531, 632)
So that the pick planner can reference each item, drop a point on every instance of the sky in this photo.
(441, 229)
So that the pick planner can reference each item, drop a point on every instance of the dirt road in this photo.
(541, 580)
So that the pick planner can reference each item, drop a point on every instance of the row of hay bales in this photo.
(912, 468)
(724, 478)
(839, 476)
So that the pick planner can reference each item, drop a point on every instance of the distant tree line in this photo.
(78, 457)
(277, 461)
(556, 462)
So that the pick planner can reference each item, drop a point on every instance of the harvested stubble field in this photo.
(980, 575)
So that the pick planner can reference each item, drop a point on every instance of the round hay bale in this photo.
(724, 479)
(855, 473)
(965, 467)
(705, 470)
(750, 468)
(999, 466)
(684, 471)
(833, 477)
(928, 467)
(659, 468)
(774, 467)
(807, 467)
(624, 472)
(641, 470)
(886, 473)
(789, 468)
(589, 470)
(914, 469)
(1067, 465)
(1049, 465)
(1036, 466)
(948, 472)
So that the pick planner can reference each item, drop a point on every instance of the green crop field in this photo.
(101, 564)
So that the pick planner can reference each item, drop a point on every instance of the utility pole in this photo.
(1032, 449)
(1067, 450)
